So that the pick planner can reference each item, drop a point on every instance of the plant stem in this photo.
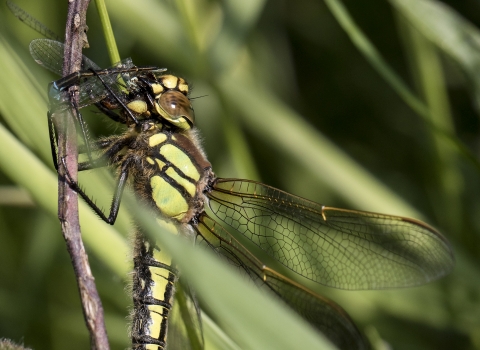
(75, 40)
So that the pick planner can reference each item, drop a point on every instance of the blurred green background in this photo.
(293, 93)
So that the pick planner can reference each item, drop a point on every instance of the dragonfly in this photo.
(160, 155)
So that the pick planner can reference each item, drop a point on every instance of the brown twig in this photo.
(75, 40)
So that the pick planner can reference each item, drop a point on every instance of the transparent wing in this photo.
(32, 22)
(320, 312)
(335, 247)
(49, 54)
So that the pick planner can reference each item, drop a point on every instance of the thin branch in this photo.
(75, 40)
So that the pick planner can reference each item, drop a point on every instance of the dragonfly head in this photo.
(172, 102)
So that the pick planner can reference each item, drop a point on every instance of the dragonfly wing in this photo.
(339, 248)
(49, 54)
(322, 313)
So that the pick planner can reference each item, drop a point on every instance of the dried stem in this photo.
(75, 40)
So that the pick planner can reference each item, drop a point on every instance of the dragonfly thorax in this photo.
(169, 167)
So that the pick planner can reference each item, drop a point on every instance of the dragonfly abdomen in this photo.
(154, 279)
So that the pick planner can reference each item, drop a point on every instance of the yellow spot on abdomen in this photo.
(160, 281)
(156, 318)
(152, 347)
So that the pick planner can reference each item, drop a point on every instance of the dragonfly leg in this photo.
(109, 113)
(52, 130)
(120, 102)
(113, 146)
(96, 145)
(53, 143)
(84, 131)
(117, 196)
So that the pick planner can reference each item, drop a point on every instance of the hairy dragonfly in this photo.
(341, 248)
(160, 156)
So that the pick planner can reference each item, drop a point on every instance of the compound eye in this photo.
(177, 109)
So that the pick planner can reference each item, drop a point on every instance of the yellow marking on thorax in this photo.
(177, 157)
(167, 198)
(156, 139)
(160, 163)
(187, 185)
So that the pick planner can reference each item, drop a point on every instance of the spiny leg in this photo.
(52, 130)
(120, 102)
(112, 154)
(53, 140)
(117, 196)
(114, 146)
(109, 113)
(83, 129)
(100, 144)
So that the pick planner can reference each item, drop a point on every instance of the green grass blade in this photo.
(312, 149)
(448, 30)
(364, 45)
(108, 32)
